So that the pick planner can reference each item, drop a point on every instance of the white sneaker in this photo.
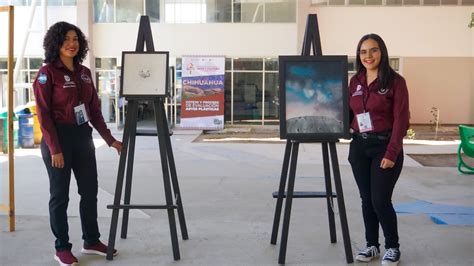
(368, 254)
(391, 257)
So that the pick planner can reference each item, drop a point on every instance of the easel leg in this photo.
(289, 199)
(329, 199)
(340, 201)
(281, 191)
(128, 182)
(166, 176)
(120, 176)
(174, 178)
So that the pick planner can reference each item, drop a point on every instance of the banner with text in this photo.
(202, 99)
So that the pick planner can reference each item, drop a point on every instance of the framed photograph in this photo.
(144, 74)
(313, 98)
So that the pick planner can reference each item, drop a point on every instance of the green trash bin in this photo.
(4, 122)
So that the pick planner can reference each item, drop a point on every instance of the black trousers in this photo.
(376, 187)
(79, 156)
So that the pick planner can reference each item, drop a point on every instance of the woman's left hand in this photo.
(386, 163)
(118, 146)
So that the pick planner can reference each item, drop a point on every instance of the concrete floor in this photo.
(226, 190)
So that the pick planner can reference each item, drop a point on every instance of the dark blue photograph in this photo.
(314, 97)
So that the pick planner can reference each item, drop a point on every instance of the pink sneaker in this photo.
(65, 258)
(98, 249)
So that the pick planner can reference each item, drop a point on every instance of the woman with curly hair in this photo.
(67, 103)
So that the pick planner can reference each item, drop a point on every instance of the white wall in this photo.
(408, 31)
(244, 40)
(442, 82)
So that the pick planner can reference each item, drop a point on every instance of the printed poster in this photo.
(202, 99)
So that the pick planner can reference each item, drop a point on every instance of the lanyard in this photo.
(365, 99)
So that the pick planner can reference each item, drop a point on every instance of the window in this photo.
(431, 2)
(394, 2)
(218, 11)
(411, 2)
(184, 11)
(106, 86)
(194, 11)
(60, 2)
(373, 2)
(28, 71)
(247, 89)
(271, 103)
(449, 2)
(271, 64)
(128, 11)
(103, 11)
(248, 64)
(152, 9)
(252, 93)
(356, 2)
(391, 2)
(280, 11)
(29, 2)
(336, 2)
(250, 12)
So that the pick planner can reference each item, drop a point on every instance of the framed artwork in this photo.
(144, 74)
(313, 98)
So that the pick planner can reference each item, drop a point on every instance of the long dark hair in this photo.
(54, 39)
(386, 74)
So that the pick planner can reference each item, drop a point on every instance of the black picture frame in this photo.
(144, 75)
(314, 98)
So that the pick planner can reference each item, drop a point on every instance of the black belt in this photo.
(373, 135)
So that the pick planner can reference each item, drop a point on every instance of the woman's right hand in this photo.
(57, 160)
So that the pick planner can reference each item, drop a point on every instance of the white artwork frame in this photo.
(144, 74)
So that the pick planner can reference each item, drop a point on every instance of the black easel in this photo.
(290, 160)
(127, 156)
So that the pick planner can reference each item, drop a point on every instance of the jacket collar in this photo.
(362, 78)
(59, 64)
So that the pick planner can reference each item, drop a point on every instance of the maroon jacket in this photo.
(57, 94)
(388, 110)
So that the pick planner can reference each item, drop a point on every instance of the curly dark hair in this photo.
(54, 39)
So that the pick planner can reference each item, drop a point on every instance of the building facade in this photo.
(429, 42)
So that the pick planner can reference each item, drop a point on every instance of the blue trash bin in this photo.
(26, 136)
(25, 127)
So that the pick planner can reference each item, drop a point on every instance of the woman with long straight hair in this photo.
(379, 119)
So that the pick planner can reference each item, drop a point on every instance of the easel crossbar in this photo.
(306, 194)
(128, 207)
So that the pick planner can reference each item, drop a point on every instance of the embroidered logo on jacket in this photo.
(358, 91)
(42, 78)
(86, 78)
(382, 91)
(68, 83)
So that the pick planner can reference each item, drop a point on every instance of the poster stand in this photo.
(311, 39)
(170, 178)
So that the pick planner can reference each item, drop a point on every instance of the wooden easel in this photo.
(290, 160)
(167, 162)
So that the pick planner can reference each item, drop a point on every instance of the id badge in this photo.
(365, 123)
(81, 114)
